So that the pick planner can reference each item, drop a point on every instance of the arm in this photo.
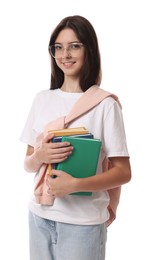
(31, 163)
(119, 174)
(48, 152)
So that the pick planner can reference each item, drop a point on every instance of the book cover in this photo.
(83, 161)
(59, 139)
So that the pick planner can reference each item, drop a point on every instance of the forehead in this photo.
(66, 36)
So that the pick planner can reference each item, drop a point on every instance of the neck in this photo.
(71, 86)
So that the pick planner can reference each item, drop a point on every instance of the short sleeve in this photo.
(29, 134)
(114, 132)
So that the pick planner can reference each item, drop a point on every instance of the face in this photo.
(69, 53)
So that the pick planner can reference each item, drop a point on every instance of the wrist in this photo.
(32, 163)
(36, 161)
(36, 157)
(77, 185)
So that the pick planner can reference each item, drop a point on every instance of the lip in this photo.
(68, 64)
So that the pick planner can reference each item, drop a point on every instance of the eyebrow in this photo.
(68, 42)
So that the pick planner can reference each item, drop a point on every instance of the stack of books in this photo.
(83, 161)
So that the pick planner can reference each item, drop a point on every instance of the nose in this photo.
(66, 53)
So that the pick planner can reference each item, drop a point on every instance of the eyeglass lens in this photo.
(57, 50)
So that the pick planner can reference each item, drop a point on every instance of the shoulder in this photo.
(109, 103)
(45, 95)
(109, 108)
(100, 93)
(41, 98)
(109, 98)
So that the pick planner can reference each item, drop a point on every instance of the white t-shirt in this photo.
(105, 122)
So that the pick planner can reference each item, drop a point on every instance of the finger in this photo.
(48, 138)
(62, 150)
(56, 173)
(61, 144)
(56, 158)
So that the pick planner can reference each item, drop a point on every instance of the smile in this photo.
(68, 64)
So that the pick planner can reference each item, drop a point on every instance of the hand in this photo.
(49, 152)
(62, 185)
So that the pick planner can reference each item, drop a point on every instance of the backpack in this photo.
(90, 98)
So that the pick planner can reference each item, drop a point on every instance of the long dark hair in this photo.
(91, 70)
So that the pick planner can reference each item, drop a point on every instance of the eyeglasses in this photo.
(73, 49)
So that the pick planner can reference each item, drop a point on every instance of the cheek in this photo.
(58, 63)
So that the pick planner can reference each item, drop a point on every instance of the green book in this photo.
(83, 161)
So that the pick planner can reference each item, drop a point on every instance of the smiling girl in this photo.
(74, 227)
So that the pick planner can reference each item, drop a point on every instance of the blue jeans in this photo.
(50, 240)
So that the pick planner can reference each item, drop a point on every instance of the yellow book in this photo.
(69, 131)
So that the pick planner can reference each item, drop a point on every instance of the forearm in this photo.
(110, 179)
(31, 163)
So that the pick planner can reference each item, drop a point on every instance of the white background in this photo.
(126, 33)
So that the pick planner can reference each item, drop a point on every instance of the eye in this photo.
(76, 46)
(58, 47)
